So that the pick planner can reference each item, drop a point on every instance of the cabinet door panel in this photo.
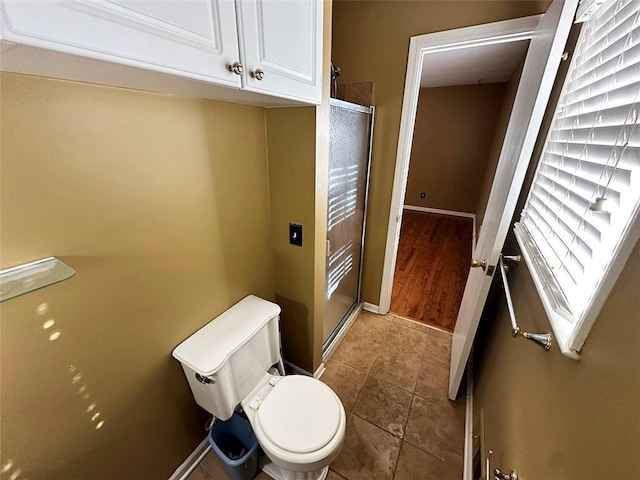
(195, 39)
(283, 38)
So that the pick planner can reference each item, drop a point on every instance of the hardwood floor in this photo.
(434, 254)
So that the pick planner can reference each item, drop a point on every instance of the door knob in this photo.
(475, 263)
(258, 74)
(236, 68)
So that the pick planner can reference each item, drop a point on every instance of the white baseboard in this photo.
(298, 370)
(192, 461)
(301, 371)
(467, 466)
(370, 307)
(439, 211)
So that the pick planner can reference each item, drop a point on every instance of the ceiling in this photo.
(468, 66)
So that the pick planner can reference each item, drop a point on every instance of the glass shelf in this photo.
(16, 281)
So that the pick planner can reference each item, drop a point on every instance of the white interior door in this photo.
(540, 68)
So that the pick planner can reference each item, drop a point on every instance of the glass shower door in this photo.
(349, 148)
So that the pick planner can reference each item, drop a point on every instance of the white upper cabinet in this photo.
(190, 44)
(281, 46)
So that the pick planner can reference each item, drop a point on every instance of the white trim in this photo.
(341, 334)
(586, 8)
(319, 371)
(474, 238)
(467, 463)
(301, 371)
(439, 211)
(192, 461)
(370, 307)
(571, 339)
(298, 370)
(490, 33)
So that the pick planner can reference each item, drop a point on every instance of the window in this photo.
(579, 222)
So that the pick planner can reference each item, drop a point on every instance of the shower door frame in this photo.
(337, 331)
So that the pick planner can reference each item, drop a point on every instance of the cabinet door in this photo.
(283, 39)
(195, 39)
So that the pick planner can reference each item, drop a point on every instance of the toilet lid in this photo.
(300, 414)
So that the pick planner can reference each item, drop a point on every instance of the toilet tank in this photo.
(227, 357)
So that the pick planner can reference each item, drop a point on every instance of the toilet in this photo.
(298, 421)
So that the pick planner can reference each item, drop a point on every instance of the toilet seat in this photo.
(286, 410)
(300, 414)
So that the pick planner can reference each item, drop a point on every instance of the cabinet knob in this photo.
(258, 74)
(236, 68)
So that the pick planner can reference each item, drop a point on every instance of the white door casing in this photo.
(283, 39)
(498, 32)
(537, 79)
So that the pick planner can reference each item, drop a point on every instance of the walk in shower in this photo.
(349, 157)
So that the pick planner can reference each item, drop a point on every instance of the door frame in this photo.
(479, 35)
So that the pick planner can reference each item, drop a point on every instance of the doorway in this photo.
(445, 61)
(545, 51)
(462, 112)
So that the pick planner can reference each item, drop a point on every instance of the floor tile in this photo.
(397, 369)
(437, 429)
(438, 333)
(384, 405)
(363, 341)
(199, 473)
(405, 341)
(414, 464)
(356, 352)
(346, 381)
(213, 466)
(405, 322)
(334, 476)
(433, 383)
(438, 349)
(368, 323)
(369, 453)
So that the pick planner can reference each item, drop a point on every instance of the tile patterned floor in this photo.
(392, 377)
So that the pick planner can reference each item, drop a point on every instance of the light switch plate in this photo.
(295, 234)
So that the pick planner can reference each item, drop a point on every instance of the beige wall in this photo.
(498, 140)
(370, 43)
(298, 146)
(291, 144)
(161, 205)
(452, 139)
(551, 417)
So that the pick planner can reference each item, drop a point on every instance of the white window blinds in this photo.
(585, 193)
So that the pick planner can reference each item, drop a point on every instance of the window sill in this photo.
(562, 328)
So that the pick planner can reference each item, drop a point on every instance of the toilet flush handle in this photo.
(205, 380)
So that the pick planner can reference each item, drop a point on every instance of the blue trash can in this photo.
(236, 446)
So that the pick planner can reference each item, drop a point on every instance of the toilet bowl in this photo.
(298, 421)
